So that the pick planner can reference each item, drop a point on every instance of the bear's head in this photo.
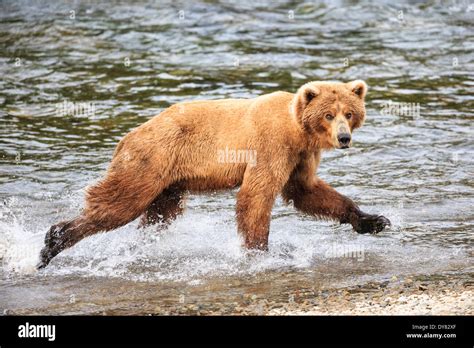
(329, 111)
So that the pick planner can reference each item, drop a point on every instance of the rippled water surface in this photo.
(130, 60)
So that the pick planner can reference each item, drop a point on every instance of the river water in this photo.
(124, 62)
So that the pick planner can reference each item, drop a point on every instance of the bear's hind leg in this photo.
(112, 203)
(64, 235)
(165, 208)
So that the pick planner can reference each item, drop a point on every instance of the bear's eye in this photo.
(349, 115)
(329, 117)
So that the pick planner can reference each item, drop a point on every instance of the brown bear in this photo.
(181, 150)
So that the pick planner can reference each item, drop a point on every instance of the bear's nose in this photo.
(344, 139)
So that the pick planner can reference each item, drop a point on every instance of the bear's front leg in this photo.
(255, 200)
(253, 217)
(315, 197)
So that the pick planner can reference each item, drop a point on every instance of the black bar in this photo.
(313, 330)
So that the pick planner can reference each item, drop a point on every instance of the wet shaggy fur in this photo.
(176, 152)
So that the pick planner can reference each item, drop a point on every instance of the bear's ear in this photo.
(359, 88)
(303, 97)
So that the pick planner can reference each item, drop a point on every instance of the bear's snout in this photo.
(344, 140)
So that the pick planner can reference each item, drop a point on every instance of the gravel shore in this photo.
(433, 295)
(395, 297)
(445, 302)
(407, 296)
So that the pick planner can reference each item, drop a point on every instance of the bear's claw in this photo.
(53, 244)
(45, 258)
(371, 224)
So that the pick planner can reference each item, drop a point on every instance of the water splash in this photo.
(199, 245)
(19, 245)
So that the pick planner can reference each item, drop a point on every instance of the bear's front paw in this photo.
(371, 223)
